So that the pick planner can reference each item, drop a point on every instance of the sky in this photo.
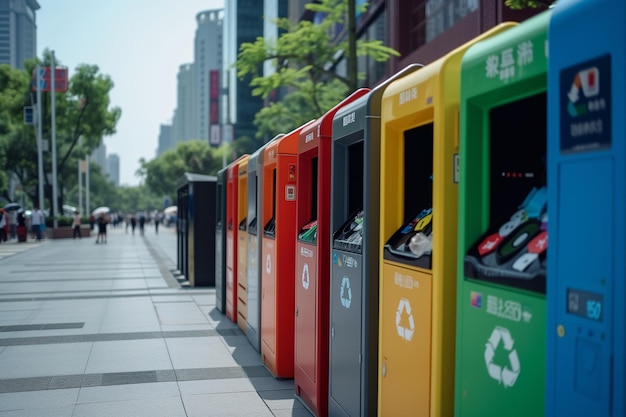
(138, 43)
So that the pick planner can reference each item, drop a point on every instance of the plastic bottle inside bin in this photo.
(421, 244)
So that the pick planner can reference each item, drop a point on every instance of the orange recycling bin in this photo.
(242, 242)
(232, 214)
(312, 273)
(278, 186)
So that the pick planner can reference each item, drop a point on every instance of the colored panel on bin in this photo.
(313, 204)
(232, 227)
(586, 366)
(255, 233)
(220, 242)
(501, 310)
(419, 150)
(277, 282)
(353, 379)
(242, 243)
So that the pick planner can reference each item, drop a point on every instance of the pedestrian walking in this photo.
(133, 223)
(76, 225)
(142, 222)
(4, 220)
(157, 220)
(102, 228)
(37, 220)
(13, 224)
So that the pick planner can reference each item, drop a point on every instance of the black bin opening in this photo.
(513, 250)
(412, 243)
(308, 233)
(269, 229)
(349, 236)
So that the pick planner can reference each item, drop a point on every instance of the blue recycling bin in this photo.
(586, 363)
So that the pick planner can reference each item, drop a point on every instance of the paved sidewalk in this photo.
(92, 330)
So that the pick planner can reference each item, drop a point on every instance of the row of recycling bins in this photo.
(391, 256)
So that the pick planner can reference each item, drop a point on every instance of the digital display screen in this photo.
(585, 304)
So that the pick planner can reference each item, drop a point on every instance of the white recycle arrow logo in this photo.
(504, 375)
(403, 332)
(346, 292)
(268, 264)
(305, 276)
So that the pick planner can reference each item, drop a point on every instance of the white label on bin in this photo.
(305, 277)
(345, 294)
(405, 324)
(290, 192)
(505, 375)
(268, 264)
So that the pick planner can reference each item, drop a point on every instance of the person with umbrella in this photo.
(12, 209)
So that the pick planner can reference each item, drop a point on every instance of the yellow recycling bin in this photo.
(418, 230)
(242, 245)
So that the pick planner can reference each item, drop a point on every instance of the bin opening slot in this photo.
(220, 212)
(253, 191)
(308, 233)
(513, 249)
(252, 227)
(412, 243)
(350, 234)
(269, 229)
(242, 224)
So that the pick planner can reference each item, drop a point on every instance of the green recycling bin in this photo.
(501, 305)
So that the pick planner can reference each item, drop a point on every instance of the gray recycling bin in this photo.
(353, 380)
(220, 241)
(196, 208)
(253, 317)
(182, 243)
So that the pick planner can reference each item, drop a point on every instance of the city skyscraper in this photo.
(207, 65)
(243, 23)
(165, 139)
(18, 31)
(182, 125)
(113, 168)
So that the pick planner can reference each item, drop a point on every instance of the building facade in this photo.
(165, 139)
(182, 124)
(420, 30)
(113, 168)
(207, 65)
(18, 31)
(425, 30)
(243, 22)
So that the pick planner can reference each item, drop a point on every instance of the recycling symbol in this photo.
(305, 276)
(504, 375)
(268, 264)
(346, 292)
(405, 308)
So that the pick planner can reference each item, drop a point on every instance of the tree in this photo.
(82, 112)
(12, 101)
(162, 173)
(305, 57)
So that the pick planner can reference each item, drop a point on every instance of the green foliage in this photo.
(522, 4)
(13, 98)
(163, 173)
(304, 57)
(83, 112)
